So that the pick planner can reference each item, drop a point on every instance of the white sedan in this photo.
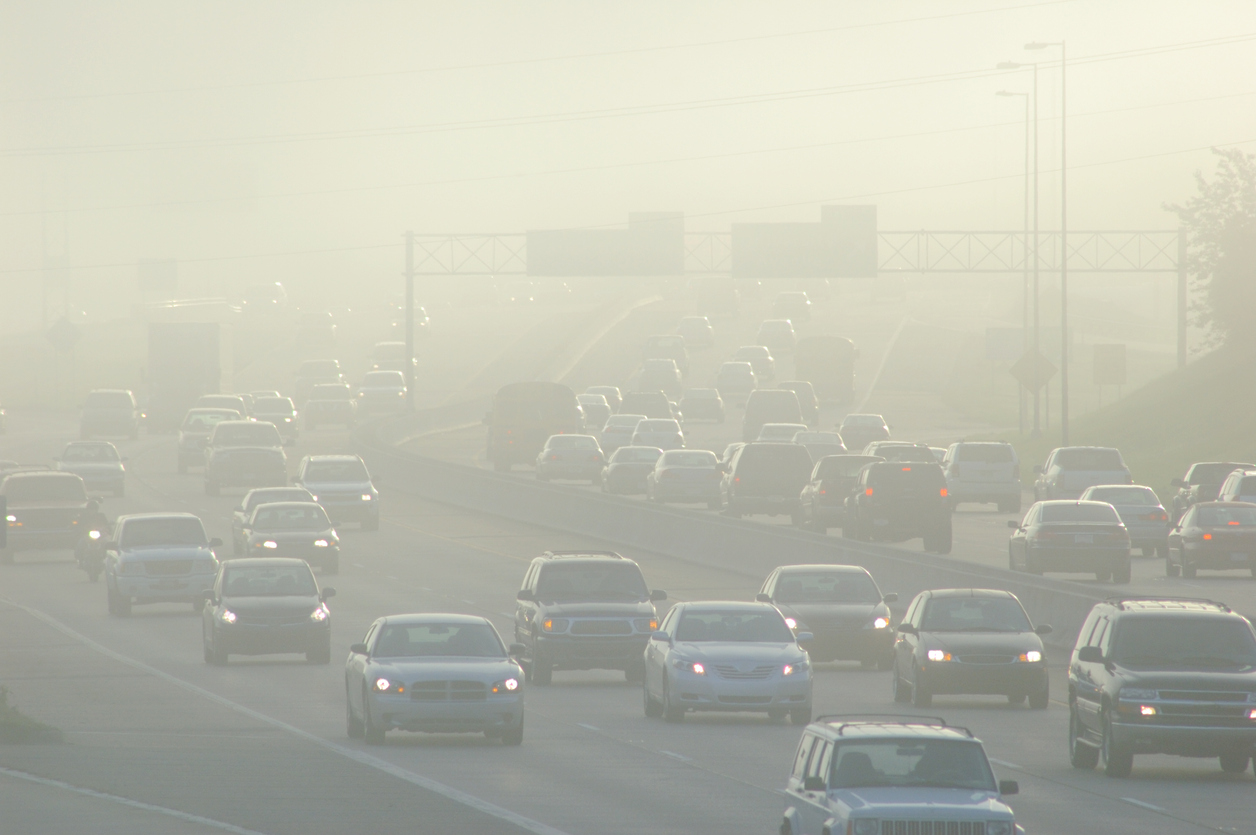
(727, 656)
(434, 673)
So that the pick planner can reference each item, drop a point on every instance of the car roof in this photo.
(583, 555)
(1071, 502)
(290, 504)
(174, 514)
(1186, 605)
(434, 617)
(727, 606)
(971, 593)
(922, 727)
(263, 562)
(821, 566)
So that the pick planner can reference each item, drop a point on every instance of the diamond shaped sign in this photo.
(1033, 370)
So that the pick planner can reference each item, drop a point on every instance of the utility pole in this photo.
(409, 313)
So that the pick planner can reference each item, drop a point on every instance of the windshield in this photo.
(864, 421)
(276, 494)
(247, 434)
(455, 640)
(939, 763)
(90, 452)
(331, 471)
(1190, 643)
(1084, 458)
(826, 587)
(290, 517)
(590, 581)
(273, 406)
(658, 426)
(758, 626)
(636, 455)
(572, 442)
(736, 369)
(974, 614)
(1123, 495)
(1080, 513)
(108, 400)
(983, 454)
(147, 533)
(1216, 515)
(45, 488)
(689, 458)
(268, 581)
(331, 392)
(205, 421)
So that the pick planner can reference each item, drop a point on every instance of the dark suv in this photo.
(585, 610)
(1162, 676)
(894, 501)
(1202, 483)
(767, 478)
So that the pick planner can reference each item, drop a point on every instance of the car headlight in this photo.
(796, 667)
(1138, 693)
(791, 623)
(10, 518)
(270, 543)
(1033, 656)
(320, 614)
(320, 543)
(645, 624)
(510, 685)
(695, 667)
(866, 826)
(383, 685)
(366, 497)
(938, 655)
(227, 616)
(554, 625)
(880, 623)
(90, 534)
(287, 420)
(998, 828)
(315, 498)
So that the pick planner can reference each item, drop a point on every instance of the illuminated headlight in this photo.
(270, 543)
(315, 498)
(383, 685)
(1033, 656)
(90, 534)
(554, 625)
(791, 669)
(510, 685)
(366, 497)
(287, 420)
(1147, 710)
(320, 614)
(227, 616)
(1251, 714)
(867, 826)
(10, 518)
(999, 828)
(320, 543)
(791, 623)
(695, 667)
(880, 623)
(938, 655)
(645, 624)
(1137, 693)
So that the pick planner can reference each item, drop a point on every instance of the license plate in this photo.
(1084, 539)
(1238, 556)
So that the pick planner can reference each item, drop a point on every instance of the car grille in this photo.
(986, 659)
(731, 672)
(448, 691)
(272, 620)
(933, 827)
(165, 568)
(601, 627)
(1204, 695)
(745, 700)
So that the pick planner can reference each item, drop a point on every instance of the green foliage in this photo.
(15, 728)
(1221, 232)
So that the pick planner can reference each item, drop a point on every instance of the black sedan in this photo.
(842, 608)
(1071, 536)
(1217, 536)
(969, 641)
(265, 606)
(832, 480)
(293, 529)
(625, 473)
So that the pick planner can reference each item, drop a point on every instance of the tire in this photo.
(353, 725)
(1080, 754)
(1188, 571)
(212, 489)
(1235, 762)
(920, 695)
(1117, 762)
(515, 736)
(802, 716)
(371, 523)
(1040, 700)
(1171, 569)
(320, 654)
(1121, 574)
(119, 606)
(653, 708)
(542, 671)
(902, 694)
(671, 713)
(372, 734)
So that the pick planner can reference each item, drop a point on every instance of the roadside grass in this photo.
(17, 728)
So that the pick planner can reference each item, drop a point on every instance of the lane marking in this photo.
(674, 755)
(588, 727)
(1143, 804)
(126, 801)
(361, 757)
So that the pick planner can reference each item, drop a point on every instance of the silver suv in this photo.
(983, 472)
(875, 776)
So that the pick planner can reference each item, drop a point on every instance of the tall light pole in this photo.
(1025, 261)
(1011, 65)
(1063, 235)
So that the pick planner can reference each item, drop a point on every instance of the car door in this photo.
(904, 644)
(1089, 678)
(656, 654)
(355, 673)
(796, 798)
(814, 809)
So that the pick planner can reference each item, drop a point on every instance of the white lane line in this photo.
(126, 801)
(449, 792)
(1005, 764)
(1143, 804)
(674, 755)
(588, 727)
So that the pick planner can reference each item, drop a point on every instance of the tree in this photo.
(1220, 224)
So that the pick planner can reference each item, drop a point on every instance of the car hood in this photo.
(846, 613)
(80, 467)
(1234, 680)
(979, 643)
(630, 609)
(292, 536)
(442, 667)
(168, 552)
(890, 802)
(288, 604)
(716, 651)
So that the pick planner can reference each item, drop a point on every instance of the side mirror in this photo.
(907, 629)
(658, 595)
(328, 592)
(1043, 629)
(215, 543)
(1037, 469)
(516, 650)
(1009, 787)
(661, 636)
(805, 637)
(358, 649)
(763, 597)
(891, 597)
(525, 594)
(814, 784)
(1013, 524)
(1090, 655)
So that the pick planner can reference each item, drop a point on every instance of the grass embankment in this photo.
(17, 728)
(1204, 412)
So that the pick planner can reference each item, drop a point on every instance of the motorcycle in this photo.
(89, 552)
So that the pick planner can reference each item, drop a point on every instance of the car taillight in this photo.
(1207, 536)
(867, 491)
(942, 492)
(553, 456)
(823, 492)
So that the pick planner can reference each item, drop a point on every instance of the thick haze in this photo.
(203, 131)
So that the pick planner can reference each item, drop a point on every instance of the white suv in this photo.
(986, 471)
(867, 777)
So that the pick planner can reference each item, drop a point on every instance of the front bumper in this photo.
(184, 588)
(494, 714)
(710, 692)
(957, 678)
(1185, 740)
(569, 652)
(264, 639)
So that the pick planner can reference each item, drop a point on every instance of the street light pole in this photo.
(1063, 234)
(1025, 258)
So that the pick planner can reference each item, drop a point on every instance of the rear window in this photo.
(282, 494)
(45, 488)
(818, 438)
(222, 401)
(921, 454)
(246, 434)
(907, 475)
(737, 369)
(108, 400)
(147, 533)
(330, 471)
(689, 458)
(1247, 485)
(1095, 458)
(1123, 495)
(90, 452)
(204, 421)
(843, 466)
(1220, 515)
(572, 442)
(290, 517)
(658, 426)
(864, 421)
(1213, 473)
(609, 580)
(635, 455)
(826, 587)
(984, 454)
(384, 378)
(1080, 513)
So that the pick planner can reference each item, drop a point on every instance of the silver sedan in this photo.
(434, 673)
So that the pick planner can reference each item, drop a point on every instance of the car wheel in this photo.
(1171, 569)
(1040, 700)
(119, 605)
(513, 736)
(671, 712)
(1080, 754)
(1188, 571)
(902, 693)
(1235, 762)
(372, 734)
(653, 709)
(1117, 762)
(353, 725)
(920, 695)
(1121, 574)
(802, 716)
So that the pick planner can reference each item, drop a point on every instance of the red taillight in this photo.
(737, 480)
(824, 492)
(907, 469)
(1232, 522)
(595, 458)
(942, 492)
(867, 491)
(1207, 536)
(553, 456)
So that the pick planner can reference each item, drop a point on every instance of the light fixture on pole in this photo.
(1063, 234)
(1024, 258)
(1012, 65)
